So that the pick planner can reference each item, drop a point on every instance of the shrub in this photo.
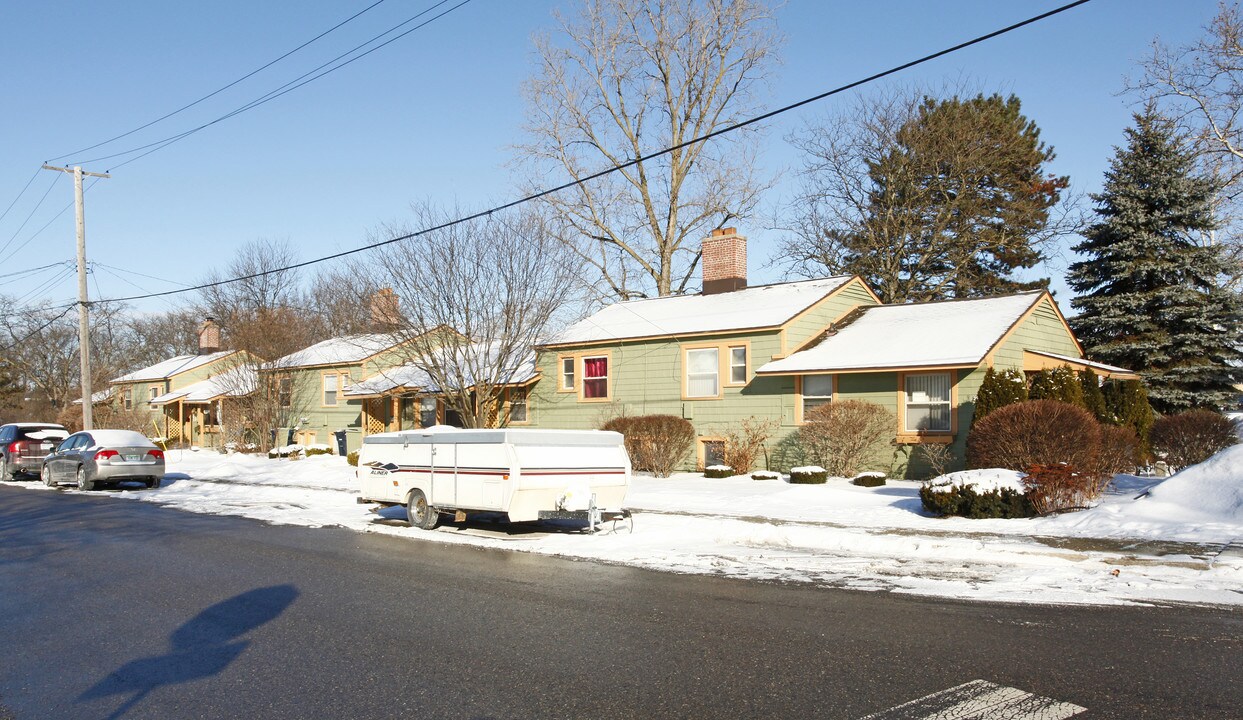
(1060, 383)
(1119, 450)
(1093, 396)
(997, 390)
(765, 475)
(841, 436)
(745, 443)
(1191, 437)
(1036, 432)
(1058, 488)
(810, 475)
(937, 456)
(318, 451)
(352, 459)
(1126, 404)
(868, 479)
(655, 443)
(967, 502)
(716, 472)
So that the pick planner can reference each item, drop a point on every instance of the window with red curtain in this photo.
(596, 377)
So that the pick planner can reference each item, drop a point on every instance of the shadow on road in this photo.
(202, 647)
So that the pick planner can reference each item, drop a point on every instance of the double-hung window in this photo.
(284, 392)
(703, 373)
(928, 402)
(567, 373)
(154, 392)
(427, 411)
(127, 398)
(817, 391)
(738, 365)
(331, 385)
(596, 378)
(518, 405)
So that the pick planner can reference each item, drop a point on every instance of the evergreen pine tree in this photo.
(1149, 297)
(1093, 397)
(997, 390)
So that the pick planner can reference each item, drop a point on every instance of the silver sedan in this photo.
(104, 456)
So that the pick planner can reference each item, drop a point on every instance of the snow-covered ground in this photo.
(1177, 540)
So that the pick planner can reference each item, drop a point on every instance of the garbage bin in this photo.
(290, 440)
(341, 449)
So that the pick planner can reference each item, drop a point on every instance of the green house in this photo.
(775, 352)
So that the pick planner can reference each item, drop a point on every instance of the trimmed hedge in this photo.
(765, 475)
(966, 502)
(716, 472)
(809, 477)
(868, 480)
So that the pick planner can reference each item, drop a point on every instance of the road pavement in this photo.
(112, 609)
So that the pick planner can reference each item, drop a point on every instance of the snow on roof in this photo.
(411, 375)
(97, 397)
(946, 333)
(755, 307)
(1110, 369)
(236, 382)
(119, 438)
(170, 367)
(335, 351)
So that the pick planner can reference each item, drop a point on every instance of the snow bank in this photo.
(1211, 491)
(979, 480)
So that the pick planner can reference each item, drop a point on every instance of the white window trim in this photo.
(608, 369)
(804, 396)
(745, 361)
(716, 372)
(948, 403)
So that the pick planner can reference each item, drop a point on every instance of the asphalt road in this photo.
(113, 609)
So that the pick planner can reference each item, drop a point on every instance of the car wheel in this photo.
(419, 513)
(46, 474)
(83, 482)
(153, 483)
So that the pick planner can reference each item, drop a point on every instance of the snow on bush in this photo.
(979, 480)
(716, 472)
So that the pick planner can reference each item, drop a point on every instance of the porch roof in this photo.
(237, 382)
(952, 333)
(412, 377)
(1082, 363)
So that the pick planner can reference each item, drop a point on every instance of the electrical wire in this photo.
(35, 269)
(629, 163)
(32, 214)
(48, 224)
(20, 194)
(248, 75)
(45, 286)
(135, 272)
(16, 343)
(288, 87)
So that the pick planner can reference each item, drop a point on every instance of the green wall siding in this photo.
(809, 325)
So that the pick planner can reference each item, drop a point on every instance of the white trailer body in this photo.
(516, 471)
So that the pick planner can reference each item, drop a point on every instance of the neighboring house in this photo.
(136, 393)
(406, 397)
(209, 411)
(310, 383)
(775, 351)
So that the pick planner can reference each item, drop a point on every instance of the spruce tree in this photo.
(1093, 397)
(1149, 294)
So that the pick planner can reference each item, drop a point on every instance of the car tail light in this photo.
(157, 454)
(15, 447)
(105, 454)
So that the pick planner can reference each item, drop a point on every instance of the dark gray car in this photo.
(104, 456)
(24, 445)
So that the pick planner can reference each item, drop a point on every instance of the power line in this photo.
(38, 330)
(284, 89)
(226, 87)
(48, 223)
(135, 272)
(35, 269)
(629, 163)
(19, 195)
(32, 214)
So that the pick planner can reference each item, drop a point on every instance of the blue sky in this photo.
(433, 115)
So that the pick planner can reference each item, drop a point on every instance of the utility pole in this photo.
(84, 346)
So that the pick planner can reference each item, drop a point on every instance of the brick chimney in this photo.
(724, 261)
(209, 337)
(384, 313)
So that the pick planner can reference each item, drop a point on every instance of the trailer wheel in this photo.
(419, 513)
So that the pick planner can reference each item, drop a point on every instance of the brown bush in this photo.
(1036, 432)
(745, 443)
(655, 443)
(1119, 450)
(1058, 488)
(1191, 437)
(841, 436)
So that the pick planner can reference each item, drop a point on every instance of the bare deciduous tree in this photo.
(622, 79)
(475, 300)
(1201, 86)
